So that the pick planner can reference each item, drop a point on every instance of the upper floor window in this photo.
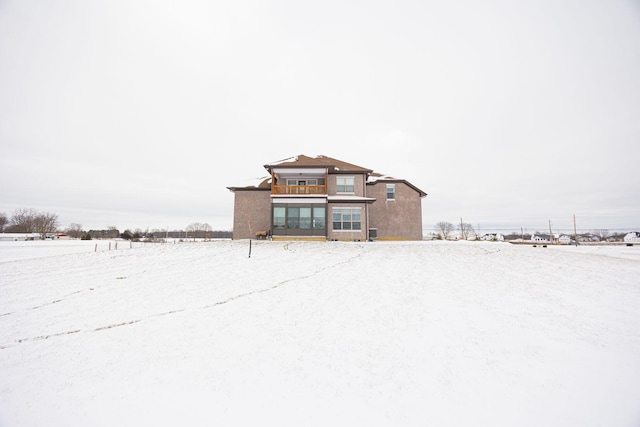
(345, 184)
(391, 191)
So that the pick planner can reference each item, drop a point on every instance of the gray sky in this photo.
(140, 113)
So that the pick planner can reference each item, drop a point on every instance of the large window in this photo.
(391, 191)
(345, 184)
(348, 219)
(279, 215)
(299, 220)
(319, 218)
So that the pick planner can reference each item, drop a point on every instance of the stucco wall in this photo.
(358, 184)
(347, 235)
(395, 219)
(251, 213)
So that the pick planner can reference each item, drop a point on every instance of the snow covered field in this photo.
(396, 334)
(12, 251)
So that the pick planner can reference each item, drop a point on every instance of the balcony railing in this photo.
(299, 189)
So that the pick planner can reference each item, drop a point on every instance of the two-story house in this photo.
(327, 199)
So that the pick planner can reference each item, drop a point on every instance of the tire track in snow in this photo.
(186, 247)
(282, 283)
(49, 303)
(59, 300)
(76, 331)
(180, 310)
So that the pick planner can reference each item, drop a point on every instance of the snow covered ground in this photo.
(12, 251)
(394, 334)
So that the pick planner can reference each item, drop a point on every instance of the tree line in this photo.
(46, 223)
(193, 231)
(445, 230)
(29, 221)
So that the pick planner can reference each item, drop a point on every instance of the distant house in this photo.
(18, 237)
(540, 238)
(327, 199)
(633, 237)
(492, 237)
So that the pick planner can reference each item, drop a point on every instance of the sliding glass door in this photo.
(299, 220)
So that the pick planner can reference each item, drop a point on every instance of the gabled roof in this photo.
(263, 183)
(333, 165)
(375, 177)
(302, 161)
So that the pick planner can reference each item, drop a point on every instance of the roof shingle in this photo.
(322, 161)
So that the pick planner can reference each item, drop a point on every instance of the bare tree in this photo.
(199, 230)
(45, 223)
(75, 230)
(206, 228)
(31, 221)
(22, 220)
(112, 232)
(3, 221)
(466, 231)
(193, 228)
(602, 234)
(444, 229)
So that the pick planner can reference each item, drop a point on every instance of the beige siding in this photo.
(395, 219)
(251, 213)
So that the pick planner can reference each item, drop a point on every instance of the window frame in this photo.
(300, 219)
(278, 226)
(392, 192)
(343, 188)
(347, 215)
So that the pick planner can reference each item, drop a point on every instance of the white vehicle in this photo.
(564, 240)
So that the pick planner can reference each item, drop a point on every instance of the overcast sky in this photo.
(139, 114)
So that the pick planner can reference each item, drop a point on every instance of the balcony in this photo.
(299, 189)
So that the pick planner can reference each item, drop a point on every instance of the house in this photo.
(540, 238)
(492, 237)
(322, 198)
(18, 237)
(633, 237)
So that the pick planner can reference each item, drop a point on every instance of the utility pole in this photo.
(550, 233)
(575, 230)
(462, 230)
